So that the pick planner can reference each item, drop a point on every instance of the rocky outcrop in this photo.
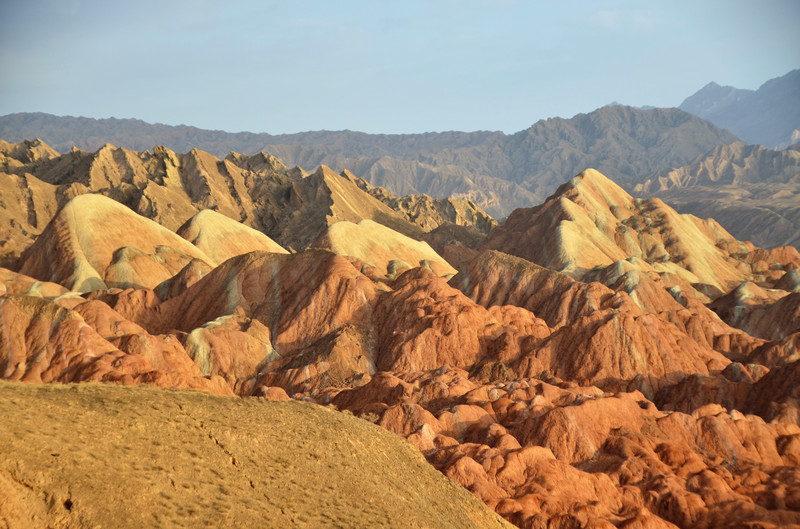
(424, 323)
(14, 283)
(264, 312)
(322, 199)
(658, 324)
(771, 314)
(27, 205)
(291, 207)
(533, 451)
(430, 213)
(26, 152)
(45, 342)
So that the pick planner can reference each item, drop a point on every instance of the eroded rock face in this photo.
(14, 283)
(611, 398)
(290, 206)
(533, 451)
(27, 151)
(496, 278)
(44, 342)
(424, 323)
(601, 335)
(607, 347)
(430, 213)
(772, 314)
(264, 318)
(27, 206)
(591, 222)
(301, 297)
(302, 208)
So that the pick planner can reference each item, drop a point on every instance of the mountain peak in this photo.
(594, 190)
(712, 98)
(591, 223)
(595, 179)
(81, 247)
(28, 151)
(711, 86)
(767, 116)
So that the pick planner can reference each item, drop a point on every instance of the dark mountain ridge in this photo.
(769, 116)
(711, 98)
(89, 134)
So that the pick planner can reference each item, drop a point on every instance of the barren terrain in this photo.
(101, 455)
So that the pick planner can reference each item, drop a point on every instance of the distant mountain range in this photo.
(769, 116)
(753, 191)
(498, 172)
(682, 154)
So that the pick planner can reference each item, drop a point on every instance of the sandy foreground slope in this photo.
(101, 455)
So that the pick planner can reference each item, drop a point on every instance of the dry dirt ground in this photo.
(95, 455)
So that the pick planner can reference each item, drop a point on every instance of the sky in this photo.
(380, 66)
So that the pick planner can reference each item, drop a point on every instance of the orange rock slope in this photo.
(627, 367)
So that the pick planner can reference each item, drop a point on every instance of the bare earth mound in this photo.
(221, 237)
(378, 246)
(104, 455)
(94, 242)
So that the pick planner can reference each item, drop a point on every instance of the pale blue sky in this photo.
(380, 66)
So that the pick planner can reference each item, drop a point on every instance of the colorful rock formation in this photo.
(615, 365)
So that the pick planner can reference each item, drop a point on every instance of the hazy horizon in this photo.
(401, 67)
